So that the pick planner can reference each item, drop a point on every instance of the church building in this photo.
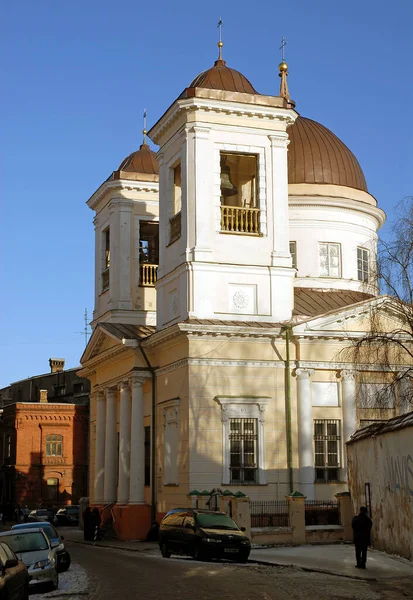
(232, 267)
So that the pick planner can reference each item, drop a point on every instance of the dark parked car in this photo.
(41, 514)
(56, 540)
(69, 515)
(202, 534)
(14, 577)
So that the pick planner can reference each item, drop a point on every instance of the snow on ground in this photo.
(71, 583)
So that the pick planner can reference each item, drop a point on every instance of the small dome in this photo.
(221, 77)
(316, 155)
(141, 161)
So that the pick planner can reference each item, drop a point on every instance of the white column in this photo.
(349, 410)
(99, 448)
(200, 193)
(137, 452)
(109, 494)
(281, 251)
(124, 443)
(305, 432)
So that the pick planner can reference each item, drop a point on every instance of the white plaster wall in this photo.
(310, 225)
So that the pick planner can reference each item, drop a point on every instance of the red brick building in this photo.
(43, 453)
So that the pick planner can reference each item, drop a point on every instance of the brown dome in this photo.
(221, 77)
(316, 155)
(141, 161)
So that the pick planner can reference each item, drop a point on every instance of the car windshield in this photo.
(210, 521)
(26, 542)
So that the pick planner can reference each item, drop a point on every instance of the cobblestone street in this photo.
(132, 575)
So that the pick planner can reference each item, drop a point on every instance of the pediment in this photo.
(355, 319)
(99, 343)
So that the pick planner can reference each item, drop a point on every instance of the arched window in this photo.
(54, 445)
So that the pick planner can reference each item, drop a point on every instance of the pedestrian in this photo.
(96, 520)
(25, 512)
(87, 524)
(361, 532)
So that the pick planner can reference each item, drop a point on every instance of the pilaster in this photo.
(109, 494)
(305, 432)
(124, 443)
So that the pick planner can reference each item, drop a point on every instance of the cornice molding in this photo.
(119, 185)
(240, 109)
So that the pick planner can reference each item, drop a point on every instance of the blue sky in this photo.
(76, 77)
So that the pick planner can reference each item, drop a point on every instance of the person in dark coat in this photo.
(362, 525)
(87, 524)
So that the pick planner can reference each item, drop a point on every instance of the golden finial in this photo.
(144, 131)
(283, 73)
(220, 43)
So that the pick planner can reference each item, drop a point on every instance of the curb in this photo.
(100, 545)
(311, 570)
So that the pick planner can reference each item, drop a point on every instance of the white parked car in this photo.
(33, 547)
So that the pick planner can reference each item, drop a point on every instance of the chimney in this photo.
(43, 396)
(56, 364)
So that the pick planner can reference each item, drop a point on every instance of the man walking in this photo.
(361, 531)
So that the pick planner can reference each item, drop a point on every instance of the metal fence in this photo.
(322, 512)
(269, 513)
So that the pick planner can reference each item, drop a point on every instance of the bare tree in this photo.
(388, 343)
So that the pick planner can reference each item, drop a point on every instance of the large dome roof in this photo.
(141, 161)
(316, 155)
(221, 77)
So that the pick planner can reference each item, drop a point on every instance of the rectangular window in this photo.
(147, 455)
(54, 445)
(77, 388)
(329, 258)
(293, 252)
(175, 219)
(148, 253)
(362, 264)
(376, 395)
(106, 259)
(239, 193)
(327, 450)
(243, 451)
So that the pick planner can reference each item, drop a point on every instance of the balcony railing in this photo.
(175, 224)
(235, 219)
(148, 274)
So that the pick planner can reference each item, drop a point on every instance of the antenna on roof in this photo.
(86, 328)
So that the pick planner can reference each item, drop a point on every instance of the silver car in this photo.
(33, 548)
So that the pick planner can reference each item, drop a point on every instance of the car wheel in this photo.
(164, 550)
(197, 554)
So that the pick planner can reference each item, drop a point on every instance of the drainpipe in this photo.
(288, 406)
(153, 436)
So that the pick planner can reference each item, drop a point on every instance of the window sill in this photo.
(171, 485)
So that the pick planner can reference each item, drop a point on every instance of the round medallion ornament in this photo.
(240, 300)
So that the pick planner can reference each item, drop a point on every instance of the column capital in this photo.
(123, 385)
(100, 395)
(303, 373)
(110, 391)
(200, 132)
(135, 380)
(280, 140)
(348, 374)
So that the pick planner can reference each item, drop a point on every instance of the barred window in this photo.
(54, 445)
(329, 256)
(293, 252)
(327, 450)
(243, 450)
(362, 264)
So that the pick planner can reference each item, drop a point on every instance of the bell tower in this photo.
(223, 195)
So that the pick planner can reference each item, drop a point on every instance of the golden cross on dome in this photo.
(220, 43)
(144, 126)
(283, 44)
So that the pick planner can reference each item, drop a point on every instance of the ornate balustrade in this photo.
(236, 219)
(148, 274)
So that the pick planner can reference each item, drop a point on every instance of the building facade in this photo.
(232, 269)
(44, 439)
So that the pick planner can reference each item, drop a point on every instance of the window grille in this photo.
(329, 256)
(362, 264)
(327, 450)
(243, 451)
(54, 445)
(293, 252)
